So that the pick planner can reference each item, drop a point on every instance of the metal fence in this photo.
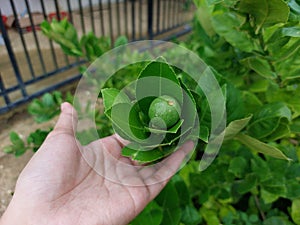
(31, 65)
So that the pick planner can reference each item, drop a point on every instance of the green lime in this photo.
(164, 111)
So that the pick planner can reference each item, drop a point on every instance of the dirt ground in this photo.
(10, 166)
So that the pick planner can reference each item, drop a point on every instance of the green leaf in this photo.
(260, 66)
(210, 216)
(126, 118)
(172, 130)
(182, 190)
(265, 12)
(238, 166)
(190, 215)
(143, 155)
(277, 220)
(291, 31)
(261, 168)
(121, 40)
(8, 149)
(269, 120)
(235, 127)
(235, 107)
(261, 147)
(19, 151)
(169, 201)
(112, 96)
(275, 187)
(292, 189)
(189, 112)
(151, 215)
(227, 25)
(204, 134)
(48, 100)
(247, 184)
(16, 139)
(37, 138)
(252, 103)
(295, 212)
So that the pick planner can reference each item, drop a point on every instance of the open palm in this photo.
(60, 186)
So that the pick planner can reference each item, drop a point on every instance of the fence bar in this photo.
(35, 37)
(173, 13)
(140, 2)
(39, 93)
(92, 15)
(81, 17)
(54, 58)
(12, 58)
(150, 19)
(59, 18)
(57, 10)
(169, 17)
(70, 14)
(126, 17)
(110, 20)
(133, 19)
(118, 17)
(176, 11)
(17, 24)
(3, 91)
(157, 15)
(164, 15)
(100, 7)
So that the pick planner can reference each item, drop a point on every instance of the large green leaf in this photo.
(151, 215)
(112, 96)
(261, 147)
(169, 201)
(277, 220)
(126, 119)
(247, 184)
(235, 127)
(227, 25)
(238, 166)
(190, 215)
(142, 155)
(173, 130)
(291, 31)
(270, 120)
(235, 107)
(265, 12)
(260, 66)
(290, 95)
(295, 212)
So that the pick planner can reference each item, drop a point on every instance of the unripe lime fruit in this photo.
(164, 109)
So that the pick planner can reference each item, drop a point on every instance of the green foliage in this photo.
(18, 146)
(47, 107)
(88, 45)
(253, 49)
(254, 46)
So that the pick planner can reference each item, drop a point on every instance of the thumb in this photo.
(67, 120)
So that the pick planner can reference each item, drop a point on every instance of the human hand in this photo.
(61, 185)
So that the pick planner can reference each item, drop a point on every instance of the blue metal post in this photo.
(150, 19)
(12, 58)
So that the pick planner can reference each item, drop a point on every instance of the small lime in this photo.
(164, 109)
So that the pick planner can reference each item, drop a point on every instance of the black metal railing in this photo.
(31, 64)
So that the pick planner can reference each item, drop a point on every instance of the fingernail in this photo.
(66, 107)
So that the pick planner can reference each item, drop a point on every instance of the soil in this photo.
(10, 166)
